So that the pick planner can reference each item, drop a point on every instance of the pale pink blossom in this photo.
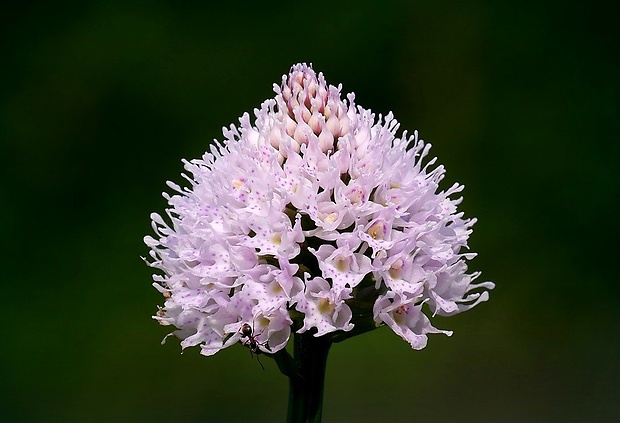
(306, 217)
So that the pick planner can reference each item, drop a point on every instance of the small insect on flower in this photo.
(252, 343)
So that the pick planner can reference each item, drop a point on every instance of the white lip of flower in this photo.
(292, 217)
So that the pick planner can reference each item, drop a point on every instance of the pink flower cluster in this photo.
(305, 219)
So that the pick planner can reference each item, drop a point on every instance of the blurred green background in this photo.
(100, 101)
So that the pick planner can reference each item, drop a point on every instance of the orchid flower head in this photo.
(314, 215)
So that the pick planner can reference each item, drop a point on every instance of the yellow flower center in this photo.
(342, 264)
(376, 231)
(325, 306)
(395, 271)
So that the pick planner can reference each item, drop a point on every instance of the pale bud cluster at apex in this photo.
(314, 217)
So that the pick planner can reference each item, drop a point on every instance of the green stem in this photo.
(306, 386)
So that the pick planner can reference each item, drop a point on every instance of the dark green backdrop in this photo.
(99, 103)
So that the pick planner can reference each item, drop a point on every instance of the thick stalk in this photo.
(306, 387)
